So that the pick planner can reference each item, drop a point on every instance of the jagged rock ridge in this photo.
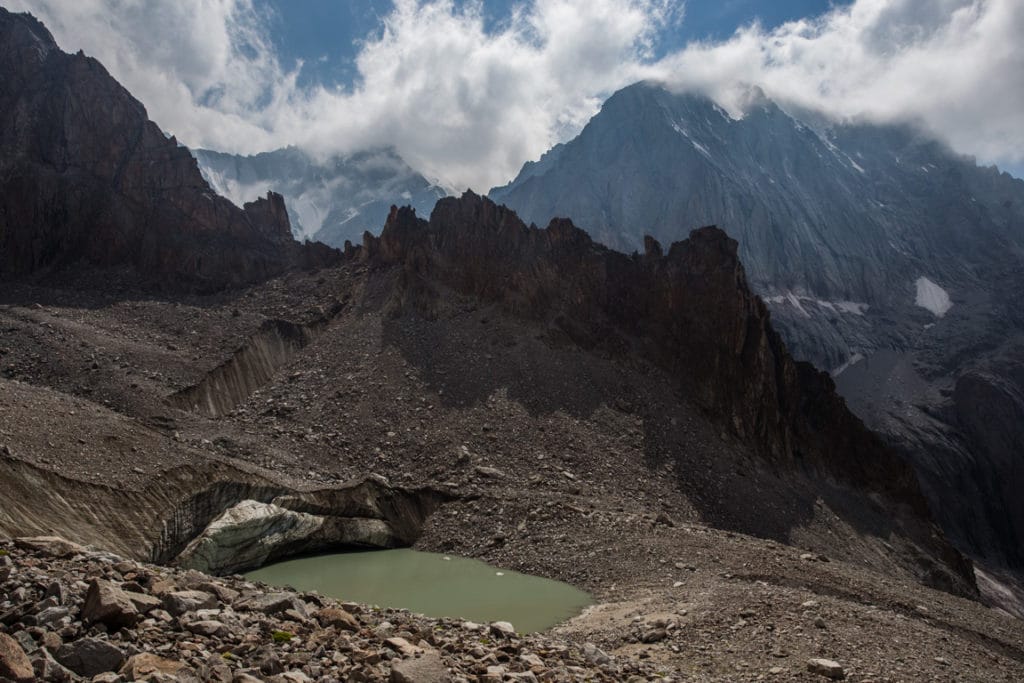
(328, 201)
(87, 178)
(689, 310)
(883, 257)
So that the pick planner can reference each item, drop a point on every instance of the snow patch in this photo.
(682, 131)
(854, 307)
(792, 298)
(932, 297)
(799, 300)
(311, 215)
(854, 359)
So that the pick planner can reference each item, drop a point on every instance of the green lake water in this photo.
(432, 584)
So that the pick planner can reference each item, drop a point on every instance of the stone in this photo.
(503, 628)
(244, 535)
(338, 618)
(90, 656)
(208, 628)
(144, 603)
(270, 603)
(145, 665)
(242, 677)
(403, 647)
(655, 635)
(491, 472)
(48, 669)
(14, 663)
(826, 668)
(180, 602)
(50, 615)
(50, 545)
(223, 593)
(428, 668)
(532, 661)
(593, 654)
(56, 590)
(107, 604)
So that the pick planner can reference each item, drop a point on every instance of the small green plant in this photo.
(229, 656)
(282, 636)
(3, 552)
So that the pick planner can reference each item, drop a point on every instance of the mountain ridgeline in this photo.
(688, 310)
(883, 257)
(824, 214)
(332, 201)
(86, 178)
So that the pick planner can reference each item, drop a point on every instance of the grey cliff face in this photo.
(328, 201)
(884, 258)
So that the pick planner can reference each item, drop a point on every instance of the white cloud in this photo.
(469, 106)
(957, 66)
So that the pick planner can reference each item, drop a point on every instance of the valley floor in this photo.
(549, 459)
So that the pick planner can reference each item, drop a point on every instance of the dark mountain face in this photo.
(689, 312)
(882, 256)
(328, 201)
(87, 178)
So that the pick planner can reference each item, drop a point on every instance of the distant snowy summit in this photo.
(328, 201)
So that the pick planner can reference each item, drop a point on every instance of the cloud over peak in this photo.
(468, 104)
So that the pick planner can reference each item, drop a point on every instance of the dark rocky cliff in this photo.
(689, 310)
(840, 226)
(87, 178)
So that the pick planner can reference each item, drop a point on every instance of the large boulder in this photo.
(90, 656)
(245, 535)
(180, 602)
(107, 604)
(14, 663)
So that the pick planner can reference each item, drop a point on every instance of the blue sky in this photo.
(325, 34)
(466, 92)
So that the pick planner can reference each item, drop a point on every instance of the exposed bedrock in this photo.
(251, 366)
(212, 517)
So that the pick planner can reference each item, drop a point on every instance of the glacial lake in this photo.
(432, 584)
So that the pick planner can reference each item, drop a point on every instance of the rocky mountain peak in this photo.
(270, 216)
(87, 179)
(23, 39)
(688, 311)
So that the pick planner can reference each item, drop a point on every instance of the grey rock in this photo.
(427, 668)
(180, 602)
(50, 615)
(49, 669)
(107, 604)
(245, 535)
(594, 654)
(51, 545)
(270, 603)
(655, 635)
(503, 628)
(144, 603)
(826, 668)
(208, 628)
(90, 656)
